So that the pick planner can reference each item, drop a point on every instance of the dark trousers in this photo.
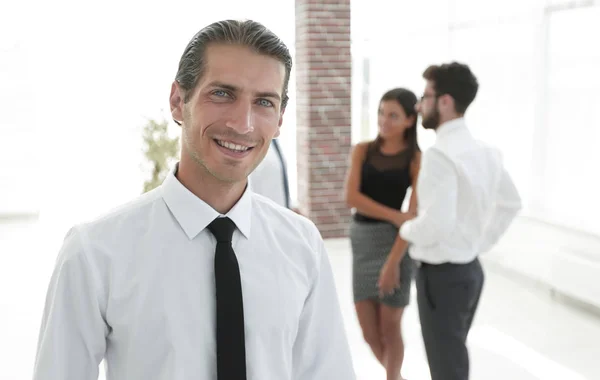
(448, 296)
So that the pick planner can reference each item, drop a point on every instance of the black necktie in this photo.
(231, 350)
(286, 188)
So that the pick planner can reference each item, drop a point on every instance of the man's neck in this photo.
(446, 120)
(219, 195)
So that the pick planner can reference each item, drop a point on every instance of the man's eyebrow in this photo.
(269, 95)
(232, 88)
(223, 85)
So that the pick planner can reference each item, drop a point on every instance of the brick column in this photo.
(323, 80)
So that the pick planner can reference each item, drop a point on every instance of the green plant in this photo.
(160, 150)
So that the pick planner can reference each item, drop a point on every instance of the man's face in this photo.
(233, 113)
(428, 107)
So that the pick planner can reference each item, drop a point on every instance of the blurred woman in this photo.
(381, 172)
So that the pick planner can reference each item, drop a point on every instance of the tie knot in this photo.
(222, 229)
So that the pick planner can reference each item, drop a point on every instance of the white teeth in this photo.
(235, 147)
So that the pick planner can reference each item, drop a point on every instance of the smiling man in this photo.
(201, 278)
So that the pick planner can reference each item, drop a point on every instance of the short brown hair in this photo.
(247, 33)
(456, 80)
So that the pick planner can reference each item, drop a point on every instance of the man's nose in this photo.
(241, 118)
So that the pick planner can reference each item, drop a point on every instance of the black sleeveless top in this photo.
(385, 178)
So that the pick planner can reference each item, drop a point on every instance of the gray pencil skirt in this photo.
(371, 244)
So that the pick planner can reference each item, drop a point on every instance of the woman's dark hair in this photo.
(407, 100)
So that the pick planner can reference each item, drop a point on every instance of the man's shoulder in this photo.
(107, 233)
(282, 219)
(459, 143)
(437, 154)
(292, 235)
(269, 207)
(464, 154)
(123, 216)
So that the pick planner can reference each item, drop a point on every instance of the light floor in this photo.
(519, 333)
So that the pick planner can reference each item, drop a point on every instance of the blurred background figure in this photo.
(467, 201)
(381, 172)
(270, 178)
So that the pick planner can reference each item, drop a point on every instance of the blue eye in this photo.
(219, 93)
(265, 103)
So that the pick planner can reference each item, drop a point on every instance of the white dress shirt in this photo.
(466, 199)
(267, 179)
(137, 287)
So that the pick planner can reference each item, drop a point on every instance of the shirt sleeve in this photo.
(506, 208)
(72, 338)
(438, 188)
(321, 350)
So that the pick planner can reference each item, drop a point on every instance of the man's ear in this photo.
(277, 133)
(281, 117)
(279, 123)
(176, 102)
(447, 101)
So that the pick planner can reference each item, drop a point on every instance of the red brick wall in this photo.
(323, 80)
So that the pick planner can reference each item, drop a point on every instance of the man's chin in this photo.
(222, 173)
(229, 177)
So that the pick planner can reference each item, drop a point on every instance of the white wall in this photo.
(19, 143)
(77, 83)
(539, 90)
(559, 259)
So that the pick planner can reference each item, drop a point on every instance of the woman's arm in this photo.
(389, 278)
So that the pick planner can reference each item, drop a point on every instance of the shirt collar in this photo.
(194, 215)
(450, 126)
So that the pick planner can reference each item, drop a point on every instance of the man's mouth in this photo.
(233, 147)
